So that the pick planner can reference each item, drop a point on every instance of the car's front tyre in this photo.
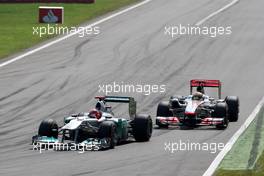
(48, 128)
(107, 129)
(233, 108)
(142, 127)
(220, 111)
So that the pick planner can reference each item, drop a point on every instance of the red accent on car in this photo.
(95, 113)
(100, 97)
(169, 119)
(211, 121)
(174, 119)
(162, 119)
(205, 83)
(189, 113)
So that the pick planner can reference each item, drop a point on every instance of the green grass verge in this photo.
(246, 158)
(257, 171)
(17, 21)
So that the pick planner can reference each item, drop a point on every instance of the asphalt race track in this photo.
(132, 48)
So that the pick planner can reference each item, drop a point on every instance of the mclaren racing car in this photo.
(198, 109)
(98, 128)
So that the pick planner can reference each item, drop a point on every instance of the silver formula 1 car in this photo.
(198, 109)
(97, 129)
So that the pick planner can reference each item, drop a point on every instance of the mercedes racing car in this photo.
(99, 128)
(198, 109)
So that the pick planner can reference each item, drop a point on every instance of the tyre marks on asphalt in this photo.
(17, 112)
(19, 90)
(65, 82)
(83, 173)
(13, 93)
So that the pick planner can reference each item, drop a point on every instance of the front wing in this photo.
(177, 121)
(51, 143)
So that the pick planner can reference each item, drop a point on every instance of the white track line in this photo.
(217, 12)
(210, 171)
(74, 33)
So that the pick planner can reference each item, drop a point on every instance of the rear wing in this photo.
(206, 83)
(132, 104)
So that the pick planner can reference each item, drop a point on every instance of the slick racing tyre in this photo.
(233, 108)
(220, 111)
(163, 111)
(142, 128)
(48, 128)
(107, 129)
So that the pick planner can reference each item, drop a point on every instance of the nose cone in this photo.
(191, 107)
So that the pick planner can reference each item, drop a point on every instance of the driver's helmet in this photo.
(94, 113)
(100, 105)
(200, 89)
(197, 96)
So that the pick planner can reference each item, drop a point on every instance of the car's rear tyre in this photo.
(163, 111)
(233, 108)
(107, 129)
(142, 128)
(220, 111)
(48, 128)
